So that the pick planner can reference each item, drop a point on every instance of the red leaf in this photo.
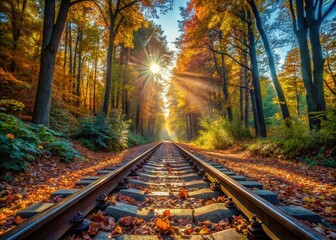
(183, 193)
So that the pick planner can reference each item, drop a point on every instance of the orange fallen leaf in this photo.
(188, 231)
(183, 193)
(98, 216)
(147, 191)
(162, 225)
(204, 231)
(18, 220)
(117, 231)
(126, 221)
(166, 213)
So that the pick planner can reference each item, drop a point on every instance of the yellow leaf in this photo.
(204, 231)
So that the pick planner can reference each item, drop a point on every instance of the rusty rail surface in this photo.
(275, 222)
(55, 221)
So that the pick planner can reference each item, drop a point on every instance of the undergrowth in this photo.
(297, 142)
(218, 133)
(21, 142)
(136, 140)
(102, 133)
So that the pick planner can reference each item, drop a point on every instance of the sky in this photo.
(169, 23)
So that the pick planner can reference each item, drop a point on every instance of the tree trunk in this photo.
(51, 38)
(16, 29)
(79, 69)
(65, 47)
(108, 79)
(277, 86)
(95, 81)
(225, 89)
(255, 114)
(256, 81)
(241, 95)
(297, 96)
(246, 91)
(318, 63)
(221, 74)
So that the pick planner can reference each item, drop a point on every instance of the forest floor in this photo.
(48, 174)
(313, 187)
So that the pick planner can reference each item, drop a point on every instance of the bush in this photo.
(11, 106)
(62, 120)
(101, 133)
(297, 142)
(219, 133)
(136, 140)
(21, 142)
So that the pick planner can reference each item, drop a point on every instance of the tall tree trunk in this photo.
(318, 63)
(246, 91)
(108, 79)
(65, 47)
(225, 89)
(241, 95)
(221, 74)
(51, 38)
(297, 96)
(79, 69)
(95, 81)
(124, 82)
(16, 17)
(256, 80)
(276, 83)
(255, 114)
(70, 60)
(300, 29)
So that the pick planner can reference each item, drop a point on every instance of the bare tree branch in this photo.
(102, 13)
(226, 54)
(326, 13)
(291, 9)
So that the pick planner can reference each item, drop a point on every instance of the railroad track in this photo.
(165, 193)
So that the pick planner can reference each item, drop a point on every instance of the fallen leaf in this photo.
(162, 225)
(166, 213)
(183, 193)
(147, 191)
(204, 231)
(117, 231)
(188, 231)
(18, 220)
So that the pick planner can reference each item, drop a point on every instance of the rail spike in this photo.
(79, 223)
(255, 230)
(103, 203)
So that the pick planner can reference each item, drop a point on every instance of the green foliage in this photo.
(136, 140)
(12, 106)
(296, 142)
(269, 107)
(101, 133)
(21, 142)
(62, 120)
(64, 149)
(218, 133)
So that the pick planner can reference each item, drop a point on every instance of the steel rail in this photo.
(275, 222)
(55, 221)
